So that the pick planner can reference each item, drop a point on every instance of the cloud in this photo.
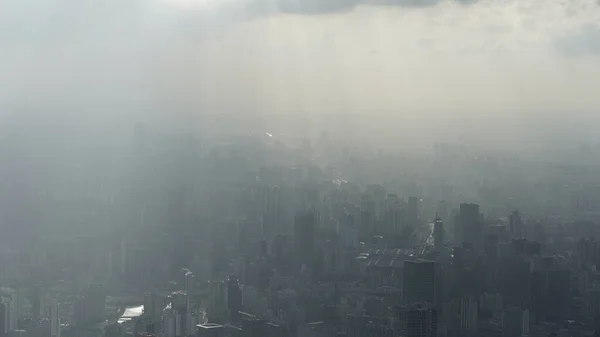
(582, 42)
(502, 62)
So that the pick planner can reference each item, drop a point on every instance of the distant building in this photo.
(469, 316)
(515, 225)
(470, 222)
(94, 301)
(4, 318)
(347, 231)
(217, 301)
(170, 324)
(188, 281)
(234, 297)
(416, 321)
(438, 233)
(191, 321)
(54, 320)
(38, 303)
(305, 226)
(412, 212)
(9, 297)
(515, 322)
(393, 220)
(153, 307)
(418, 284)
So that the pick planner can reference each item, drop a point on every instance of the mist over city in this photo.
(299, 168)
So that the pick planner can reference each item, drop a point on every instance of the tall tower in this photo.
(418, 284)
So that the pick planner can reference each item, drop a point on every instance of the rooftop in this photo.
(209, 326)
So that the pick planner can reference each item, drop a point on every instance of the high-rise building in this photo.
(438, 233)
(94, 301)
(305, 226)
(54, 320)
(272, 212)
(515, 322)
(443, 211)
(179, 328)
(416, 321)
(393, 221)
(153, 308)
(169, 324)
(234, 297)
(515, 225)
(217, 301)
(347, 231)
(418, 284)
(552, 289)
(19, 299)
(188, 282)
(192, 319)
(471, 224)
(188, 285)
(412, 211)
(9, 296)
(4, 318)
(38, 303)
(469, 315)
(79, 311)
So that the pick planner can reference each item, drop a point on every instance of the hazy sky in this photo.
(520, 63)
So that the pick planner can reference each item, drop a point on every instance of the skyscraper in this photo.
(515, 225)
(234, 297)
(217, 301)
(438, 232)
(412, 211)
(471, 224)
(95, 303)
(393, 222)
(469, 315)
(54, 320)
(153, 307)
(37, 302)
(418, 284)
(169, 323)
(4, 318)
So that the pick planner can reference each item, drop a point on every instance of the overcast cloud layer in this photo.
(510, 62)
